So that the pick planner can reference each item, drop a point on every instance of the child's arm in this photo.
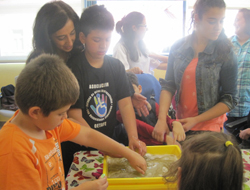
(92, 138)
(128, 117)
(178, 131)
(245, 134)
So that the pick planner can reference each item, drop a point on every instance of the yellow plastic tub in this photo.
(154, 183)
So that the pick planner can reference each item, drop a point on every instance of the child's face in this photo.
(137, 89)
(96, 43)
(54, 119)
(65, 37)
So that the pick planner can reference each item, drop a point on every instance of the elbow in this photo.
(229, 100)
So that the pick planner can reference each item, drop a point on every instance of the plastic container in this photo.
(154, 183)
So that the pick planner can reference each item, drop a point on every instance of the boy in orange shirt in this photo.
(30, 154)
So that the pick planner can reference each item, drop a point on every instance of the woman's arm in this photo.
(228, 81)
(216, 111)
(161, 58)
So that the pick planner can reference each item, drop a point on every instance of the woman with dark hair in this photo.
(56, 31)
(131, 50)
(201, 73)
(241, 43)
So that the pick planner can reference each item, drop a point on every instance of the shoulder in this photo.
(113, 62)
(181, 44)
(13, 139)
(119, 47)
(75, 60)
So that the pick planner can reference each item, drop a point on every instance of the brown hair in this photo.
(208, 164)
(246, 15)
(46, 82)
(223, 44)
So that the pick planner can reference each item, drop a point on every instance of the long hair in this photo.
(208, 163)
(223, 43)
(124, 28)
(246, 15)
(50, 18)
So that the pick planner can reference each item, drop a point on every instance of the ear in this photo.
(196, 19)
(82, 37)
(134, 28)
(35, 112)
(179, 176)
(140, 88)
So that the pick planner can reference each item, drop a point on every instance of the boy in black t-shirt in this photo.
(102, 80)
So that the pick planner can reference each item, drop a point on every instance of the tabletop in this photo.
(87, 166)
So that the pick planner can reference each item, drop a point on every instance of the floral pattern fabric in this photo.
(86, 166)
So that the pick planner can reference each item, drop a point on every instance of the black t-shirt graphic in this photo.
(100, 90)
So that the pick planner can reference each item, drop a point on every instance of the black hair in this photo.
(124, 28)
(50, 18)
(224, 45)
(96, 17)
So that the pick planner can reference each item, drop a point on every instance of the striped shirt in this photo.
(243, 86)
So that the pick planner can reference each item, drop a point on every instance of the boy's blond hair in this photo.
(46, 82)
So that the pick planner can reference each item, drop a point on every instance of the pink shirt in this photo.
(188, 101)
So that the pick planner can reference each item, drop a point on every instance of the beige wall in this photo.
(8, 72)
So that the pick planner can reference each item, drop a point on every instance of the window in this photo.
(164, 21)
(167, 20)
(17, 18)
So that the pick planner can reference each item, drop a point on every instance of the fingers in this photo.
(138, 111)
(144, 110)
(103, 182)
(142, 148)
(158, 137)
(141, 169)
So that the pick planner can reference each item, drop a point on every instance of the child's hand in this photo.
(178, 131)
(245, 134)
(99, 184)
(136, 145)
(171, 141)
(137, 162)
(159, 131)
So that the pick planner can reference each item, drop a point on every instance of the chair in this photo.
(236, 126)
(150, 86)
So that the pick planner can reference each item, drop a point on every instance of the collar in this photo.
(234, 39)
(189, 44)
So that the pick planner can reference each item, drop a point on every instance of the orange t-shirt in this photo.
(188, 101)
(29, 163)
